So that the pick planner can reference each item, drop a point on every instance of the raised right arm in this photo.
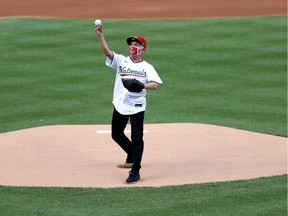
(107, 52)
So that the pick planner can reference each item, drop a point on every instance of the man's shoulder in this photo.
(147, 64)
(117, 55)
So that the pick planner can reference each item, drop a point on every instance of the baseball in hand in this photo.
(97, 22)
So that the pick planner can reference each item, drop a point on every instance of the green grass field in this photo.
(228, 72)
(264, 196)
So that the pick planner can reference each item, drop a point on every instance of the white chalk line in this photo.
(109, 131)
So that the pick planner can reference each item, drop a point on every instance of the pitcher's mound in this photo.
(174, 154)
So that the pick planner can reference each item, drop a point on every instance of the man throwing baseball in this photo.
(133, 77)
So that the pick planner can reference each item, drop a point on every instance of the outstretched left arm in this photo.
(151, 85)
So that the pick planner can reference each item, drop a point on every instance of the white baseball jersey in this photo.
(126, 102)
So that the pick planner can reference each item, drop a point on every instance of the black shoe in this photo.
(133, 177)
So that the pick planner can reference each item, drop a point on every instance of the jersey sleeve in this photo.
(115, 62)
(153, 76)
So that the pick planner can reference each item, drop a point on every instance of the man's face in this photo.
(136, 48)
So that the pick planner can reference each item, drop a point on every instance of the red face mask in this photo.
(134, 51)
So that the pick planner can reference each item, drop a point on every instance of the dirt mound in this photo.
(174, 154)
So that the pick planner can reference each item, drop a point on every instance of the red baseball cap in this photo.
(139, 39)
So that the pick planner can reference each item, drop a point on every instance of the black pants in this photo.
(134, 147)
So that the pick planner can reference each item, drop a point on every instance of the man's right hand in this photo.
(99, 30)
